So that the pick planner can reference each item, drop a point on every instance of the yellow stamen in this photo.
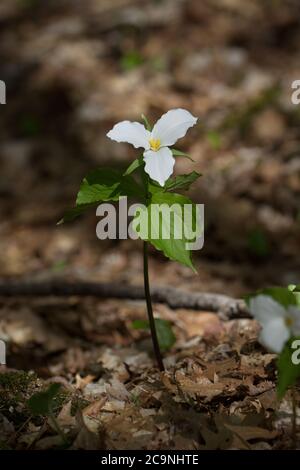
(289, 321)
(154, 144)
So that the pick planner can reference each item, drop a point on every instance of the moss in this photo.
(78, 403)
(17, 381)
(15, 389)
(60, 399)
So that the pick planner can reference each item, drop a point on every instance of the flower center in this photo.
(154, 144)
(289, 321)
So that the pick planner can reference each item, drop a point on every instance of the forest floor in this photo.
(68, 66)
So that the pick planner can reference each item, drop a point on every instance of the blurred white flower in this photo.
(279, 324)
(159, 161)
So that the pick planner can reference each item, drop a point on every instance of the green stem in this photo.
(150, 312)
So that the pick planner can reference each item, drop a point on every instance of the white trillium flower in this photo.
(279, 324)
(159, 161)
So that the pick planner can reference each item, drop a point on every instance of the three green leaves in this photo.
(105, 184)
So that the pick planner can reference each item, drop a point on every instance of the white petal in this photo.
(133, 133)
(274, 335)
(159, 165)
(265, 309)
(295, 313)
(172, 126)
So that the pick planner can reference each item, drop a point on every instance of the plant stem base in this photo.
(150, 312)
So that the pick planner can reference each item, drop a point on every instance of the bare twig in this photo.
(226, 307)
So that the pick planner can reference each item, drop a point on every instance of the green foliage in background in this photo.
(165, 335)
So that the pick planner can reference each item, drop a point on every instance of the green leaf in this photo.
(165, 335)
(171, 232)
(99, 185)
(288, 373)
(296, 291)
(154, 187)
(282, 295)
(258, 243)
(297, 296)
(71, 214)
(295, 287)
(178, 153)
(133, 166)
(41, 403)
(103, 184)
(106, 184)
(147, 123)
(182, 181)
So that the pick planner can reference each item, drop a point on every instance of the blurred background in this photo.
(74, 68)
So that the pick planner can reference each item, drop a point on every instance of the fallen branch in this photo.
(227, 307)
